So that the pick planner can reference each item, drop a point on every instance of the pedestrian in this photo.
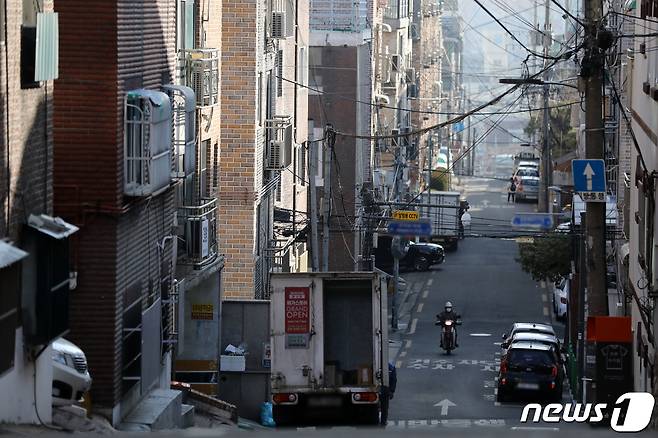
(511, 193)
(387, 393)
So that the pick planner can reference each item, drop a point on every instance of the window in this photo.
(259, 99)
(203, 168)
(302, 66)
(302, 164)
(9, 313)
(279, 73)
(29, 42)
(278, 188)
(215, 165)
(2, 20)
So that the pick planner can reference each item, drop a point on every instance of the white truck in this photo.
(329, 346)
(442, 209)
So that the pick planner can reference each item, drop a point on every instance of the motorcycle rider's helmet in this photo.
(448, 306)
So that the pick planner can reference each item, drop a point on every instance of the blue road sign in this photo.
(410, 228)
(533, 220)
(588, 176)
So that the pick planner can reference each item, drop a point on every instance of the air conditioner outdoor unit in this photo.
(147, 142)
(279, 148)
(279, 25)
(201, 73)
(278, 155)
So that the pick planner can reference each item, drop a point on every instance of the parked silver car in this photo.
(527, 188)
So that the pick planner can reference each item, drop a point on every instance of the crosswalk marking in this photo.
(444, 423)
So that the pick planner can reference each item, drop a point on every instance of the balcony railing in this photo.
(198, 230)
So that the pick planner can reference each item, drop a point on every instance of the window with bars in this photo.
(215, 165)
(279, 73)
(302, 164)
(203, 168)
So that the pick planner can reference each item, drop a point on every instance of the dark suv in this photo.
(419, 256)
(530, 369)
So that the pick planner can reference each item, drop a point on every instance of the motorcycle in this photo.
(448, 332)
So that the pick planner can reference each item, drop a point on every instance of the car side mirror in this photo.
(504, 345)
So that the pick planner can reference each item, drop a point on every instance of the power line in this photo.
(568, 13)
(515, 38)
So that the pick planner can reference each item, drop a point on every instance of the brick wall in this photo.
(238, 134)
(27, 119)
(127, 45)
(428, 24)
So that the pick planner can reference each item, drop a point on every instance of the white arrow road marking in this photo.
(589, 173)
(445, 404)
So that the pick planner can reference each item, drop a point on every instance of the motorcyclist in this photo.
(448, 314)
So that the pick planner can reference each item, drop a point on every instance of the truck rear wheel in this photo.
(366, 414)
(283, 415)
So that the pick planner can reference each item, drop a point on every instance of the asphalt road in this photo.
(488, 288)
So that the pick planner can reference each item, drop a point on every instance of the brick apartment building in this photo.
(426, 54)
(263, 132)
(112, 177)
(34, 268)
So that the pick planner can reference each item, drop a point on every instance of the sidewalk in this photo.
(406, 303)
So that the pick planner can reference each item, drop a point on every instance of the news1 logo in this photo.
(634, 418)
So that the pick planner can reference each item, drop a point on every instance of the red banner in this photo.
(297, 309)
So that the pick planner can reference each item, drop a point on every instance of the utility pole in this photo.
(592, 72)
(313, 207)
(545, 141)
(396, 246)
(329, 141)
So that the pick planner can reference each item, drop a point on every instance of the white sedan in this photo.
(71, 379)
(561, 298)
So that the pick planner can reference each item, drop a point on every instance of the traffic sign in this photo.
(405, 215)
(533, 220)
(589, 179)
(410, 228)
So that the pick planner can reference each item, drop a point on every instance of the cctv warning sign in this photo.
(297, 310)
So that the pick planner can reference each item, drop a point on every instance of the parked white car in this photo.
(71, 379)
(561, 298)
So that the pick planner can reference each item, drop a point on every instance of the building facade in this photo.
(264, 54)
(425, 91)
(114, 177)
(33, 309)
(641, 261)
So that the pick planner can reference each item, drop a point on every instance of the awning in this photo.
(9, 254)
(52, 226)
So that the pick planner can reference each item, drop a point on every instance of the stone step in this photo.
(160, 409)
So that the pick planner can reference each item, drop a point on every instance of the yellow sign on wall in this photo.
(202, 311)
(405, 215)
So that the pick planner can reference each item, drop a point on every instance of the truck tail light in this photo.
(554, 371)
(364, 397)
(503, 367)
(283, 398)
